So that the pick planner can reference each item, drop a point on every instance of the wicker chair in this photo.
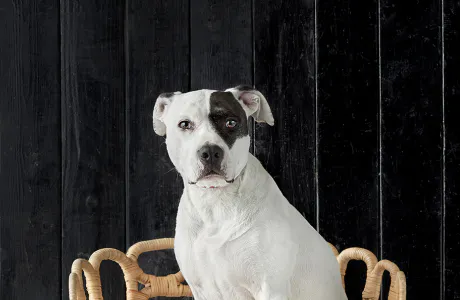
(172, 285)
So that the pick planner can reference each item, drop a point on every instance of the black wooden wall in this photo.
(366, 97)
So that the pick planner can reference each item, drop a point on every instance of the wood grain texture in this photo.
(285, 74)
(348, 149)
(452, 150)
(30, 163)
(221, 44)
(411, 141)
(93, 135)
(158, 62)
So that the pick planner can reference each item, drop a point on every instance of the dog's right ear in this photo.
(159, 112)
(254, 103)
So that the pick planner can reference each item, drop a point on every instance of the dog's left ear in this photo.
(254, 103)
(159, 111)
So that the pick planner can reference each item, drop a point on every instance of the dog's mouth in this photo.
(212, 175)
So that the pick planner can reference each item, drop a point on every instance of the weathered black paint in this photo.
(221, 44)
(224, 106)
(80, 166)
(30, 156)
(411, 137)
(348, 128)
(93, 135)
(450, 211)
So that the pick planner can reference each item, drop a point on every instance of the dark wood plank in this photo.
(411, 141)
(30, 160)
(452, 143)
(348, 149)
(221, 44)
(158, 62)
(93, 134)
(285, 74)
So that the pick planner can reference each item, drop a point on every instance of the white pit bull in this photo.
(237, 237)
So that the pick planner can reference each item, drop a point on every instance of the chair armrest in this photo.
(147, 246)
(375, 271)
(168, 286)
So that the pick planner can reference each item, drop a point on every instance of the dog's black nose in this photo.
(211, 155)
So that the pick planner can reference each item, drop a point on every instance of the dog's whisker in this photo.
(169, 171)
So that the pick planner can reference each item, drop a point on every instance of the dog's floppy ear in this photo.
(254, 103)
(159, 111)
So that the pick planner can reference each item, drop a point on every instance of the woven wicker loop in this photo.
(375, 271)
(397, 286)
(169, 286)
(172, 285)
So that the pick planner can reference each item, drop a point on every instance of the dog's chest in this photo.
(211, 263)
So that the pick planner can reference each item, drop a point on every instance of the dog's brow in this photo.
(221, 111)
(184, 117)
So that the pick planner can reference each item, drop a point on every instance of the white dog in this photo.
(237, 237)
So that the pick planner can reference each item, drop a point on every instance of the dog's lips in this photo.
(212, 179)
(212, 175)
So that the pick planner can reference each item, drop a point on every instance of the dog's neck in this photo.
(239, 199)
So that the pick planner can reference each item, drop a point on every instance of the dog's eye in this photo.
(231, 123)
(185, 125)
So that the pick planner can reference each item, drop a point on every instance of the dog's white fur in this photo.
(242, 240)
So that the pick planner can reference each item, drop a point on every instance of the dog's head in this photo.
(207, 134)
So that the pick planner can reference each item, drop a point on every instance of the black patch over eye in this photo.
(228, 117)
(185, 125)
(231, 123)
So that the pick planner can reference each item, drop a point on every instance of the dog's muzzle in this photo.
(211, 157)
